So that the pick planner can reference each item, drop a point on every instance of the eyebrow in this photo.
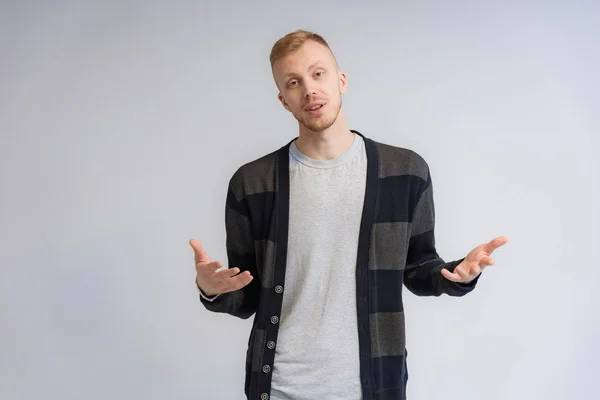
(286, 76)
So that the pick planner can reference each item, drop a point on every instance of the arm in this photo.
(422, 274)
(243, 302)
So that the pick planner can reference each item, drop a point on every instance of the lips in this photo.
(318, 106)
(318, 110)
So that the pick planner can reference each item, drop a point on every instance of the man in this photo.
(322, 234)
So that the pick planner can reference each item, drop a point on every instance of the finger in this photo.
(486, 261)
(494, 244)
(228, 284)
(476, 270)
(239, 281)
(200, 256)
(209, 268)
(462, 271)
(453, 277)
(227, 273)
(227, 277)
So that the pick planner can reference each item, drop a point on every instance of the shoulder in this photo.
(254, 177)
(396, 161)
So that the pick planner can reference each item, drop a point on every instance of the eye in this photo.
(320, 72)
(291, 83)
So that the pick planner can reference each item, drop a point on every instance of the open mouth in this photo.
(316, 109)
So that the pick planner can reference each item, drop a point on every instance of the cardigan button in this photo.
(274, 319)
(271, 344)
(264, 396)
(278, 289)
(266, 369)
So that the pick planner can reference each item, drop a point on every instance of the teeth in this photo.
(316, 107)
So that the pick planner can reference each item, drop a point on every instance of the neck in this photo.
(327, 144)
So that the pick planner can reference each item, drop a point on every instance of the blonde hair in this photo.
(292, 42)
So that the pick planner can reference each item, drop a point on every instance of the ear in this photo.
(343, 78)
(283, 102)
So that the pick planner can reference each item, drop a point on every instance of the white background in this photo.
(121, 123)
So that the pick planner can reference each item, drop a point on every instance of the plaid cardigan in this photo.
(396, 247)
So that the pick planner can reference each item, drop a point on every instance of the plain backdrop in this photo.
(121, 123)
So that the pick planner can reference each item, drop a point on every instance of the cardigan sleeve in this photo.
(422, 274)
(204, 296)
(240, 303)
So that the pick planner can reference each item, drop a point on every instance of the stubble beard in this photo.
(323, 122)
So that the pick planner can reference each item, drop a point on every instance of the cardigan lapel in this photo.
(363, 295)
(282, 208)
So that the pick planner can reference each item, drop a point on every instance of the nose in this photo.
(309, 90)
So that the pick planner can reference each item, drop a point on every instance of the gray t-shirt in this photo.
(317, 354)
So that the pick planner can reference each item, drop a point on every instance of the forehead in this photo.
(309, 55)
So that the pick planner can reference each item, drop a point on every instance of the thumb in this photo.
(200, 256)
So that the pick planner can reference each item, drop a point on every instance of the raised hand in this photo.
(478, 259)
(213, 282)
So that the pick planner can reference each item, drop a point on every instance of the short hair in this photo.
(292, 42)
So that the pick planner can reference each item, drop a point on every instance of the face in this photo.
(310, 85)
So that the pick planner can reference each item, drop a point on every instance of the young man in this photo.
(322, 234)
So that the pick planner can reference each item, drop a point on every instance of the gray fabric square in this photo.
(387, 334)
(424, 215)
(395, 161)
(265, 257)
(258, 349)
(389, 245)
(250, 178)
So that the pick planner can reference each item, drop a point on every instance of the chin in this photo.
(318, 125)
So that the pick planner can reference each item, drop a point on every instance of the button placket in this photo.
(271, 344)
